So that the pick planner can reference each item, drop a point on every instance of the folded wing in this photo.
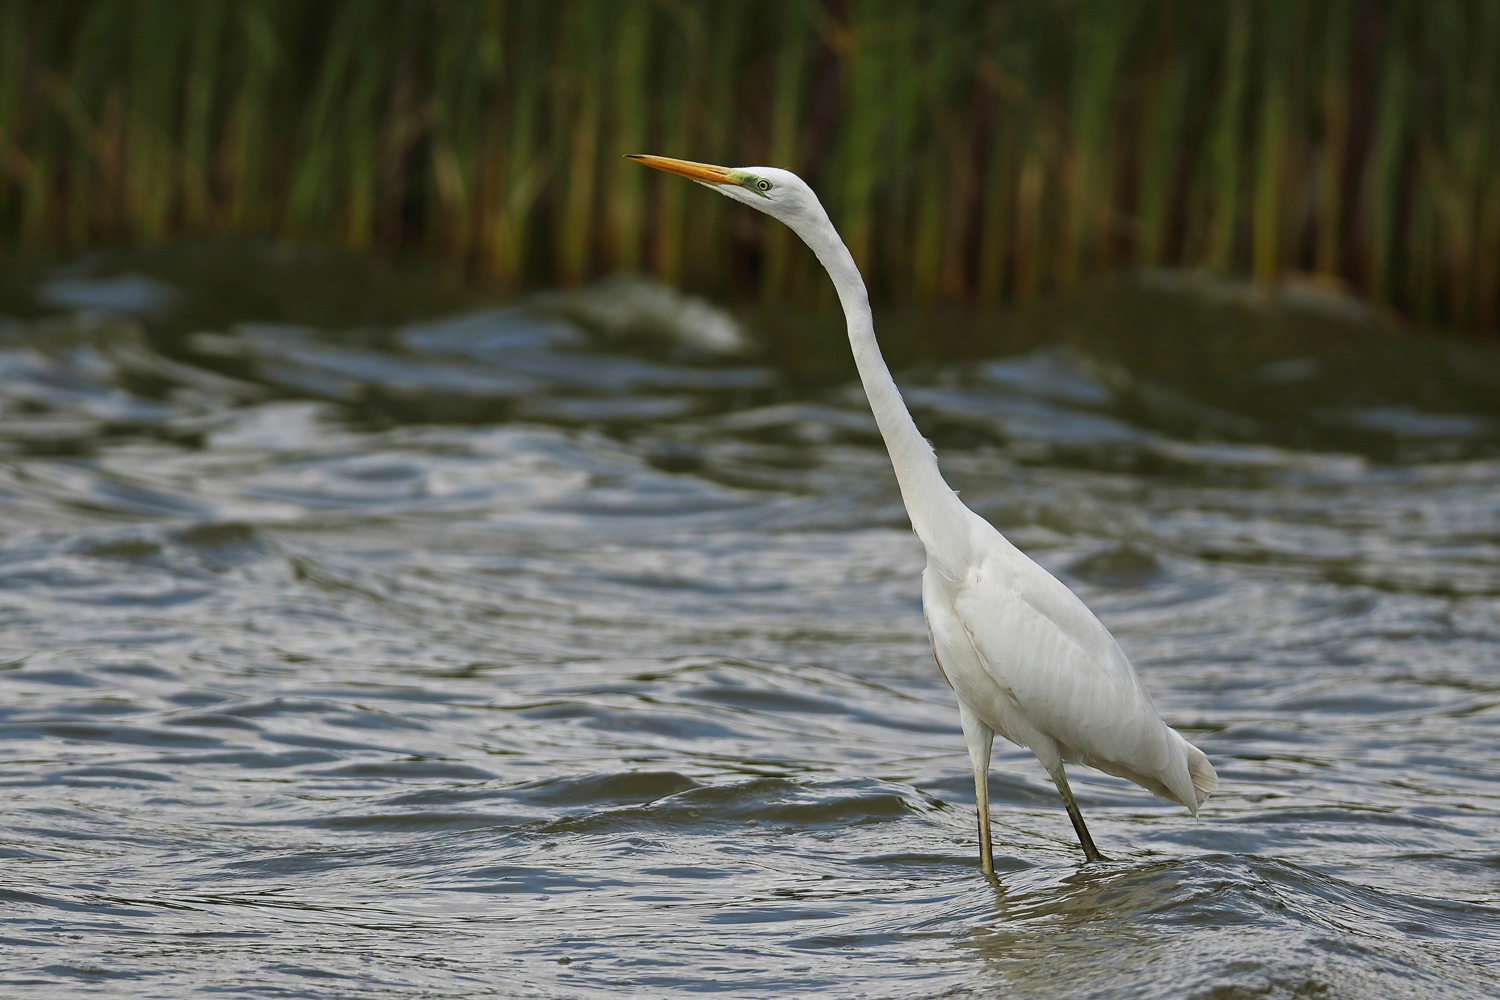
(1061, 667)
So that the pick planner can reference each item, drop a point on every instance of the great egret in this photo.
(1026, 657)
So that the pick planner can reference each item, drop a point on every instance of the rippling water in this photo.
(561, 651)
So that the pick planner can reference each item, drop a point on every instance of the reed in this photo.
(714, 113)
(246, 171)
(968, 150)
(200, 89)
(464, 38)
(576, 117)
(630, 107)
(1103, 30)
(516, 168)
(1333, 108)
(1267, 224)
(996, 96)
(1224, 155)
(1164, 94)
(684, 52)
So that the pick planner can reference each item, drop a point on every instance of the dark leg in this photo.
(1060, 779)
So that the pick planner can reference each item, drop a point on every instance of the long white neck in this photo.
(937, 516)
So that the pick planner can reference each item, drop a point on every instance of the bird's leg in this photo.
(980, 738)
(1060, 779)
(982, 807)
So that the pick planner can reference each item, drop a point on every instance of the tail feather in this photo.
(1202, 773)
(1201, 779)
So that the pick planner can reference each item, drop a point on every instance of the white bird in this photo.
(1026, 657)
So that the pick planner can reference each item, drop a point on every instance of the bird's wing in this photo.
(1058, 663)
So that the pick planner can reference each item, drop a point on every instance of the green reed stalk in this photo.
(83, 89)
(1031, 193)
(997, 217)
(630, 103)
(1487, 254)
(1265, 222)
(1380, 206)
(1043, 150)
(966, 149)
(1451, 151)
(378, 125)
(1223, 160)
(316, 167)
(465, 57)
(399, 122)
(786, 105)
(705, 230)
(925, 132)
(959, 197)
(862, 133)
(957, 113)
(92, 204)
(1451, 228)
(1002, 102)
(1037, 143)
(200, 88)
(578, 112)
(243, 150)
(1161, 141)
(683, 52)
(1421, 258)
(1440, 154)
(517, 167)
(920, 276)
(1486, 195)
(1333, 108)
(908, 192)
(36, 206)
(15, 165)
(29, 35)
(149, 166)
(1103, 29)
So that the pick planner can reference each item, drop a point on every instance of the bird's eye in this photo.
(763, 184)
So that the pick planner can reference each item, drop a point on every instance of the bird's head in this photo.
(776, 192)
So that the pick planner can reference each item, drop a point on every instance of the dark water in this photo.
(558, 653)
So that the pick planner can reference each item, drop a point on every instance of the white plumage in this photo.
(1024, 656)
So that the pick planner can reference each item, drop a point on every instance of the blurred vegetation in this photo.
(968, 151)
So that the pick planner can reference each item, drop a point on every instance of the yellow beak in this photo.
(705, 173)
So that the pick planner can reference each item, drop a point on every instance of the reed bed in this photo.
(968, 150)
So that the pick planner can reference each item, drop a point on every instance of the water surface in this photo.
(557, 651)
